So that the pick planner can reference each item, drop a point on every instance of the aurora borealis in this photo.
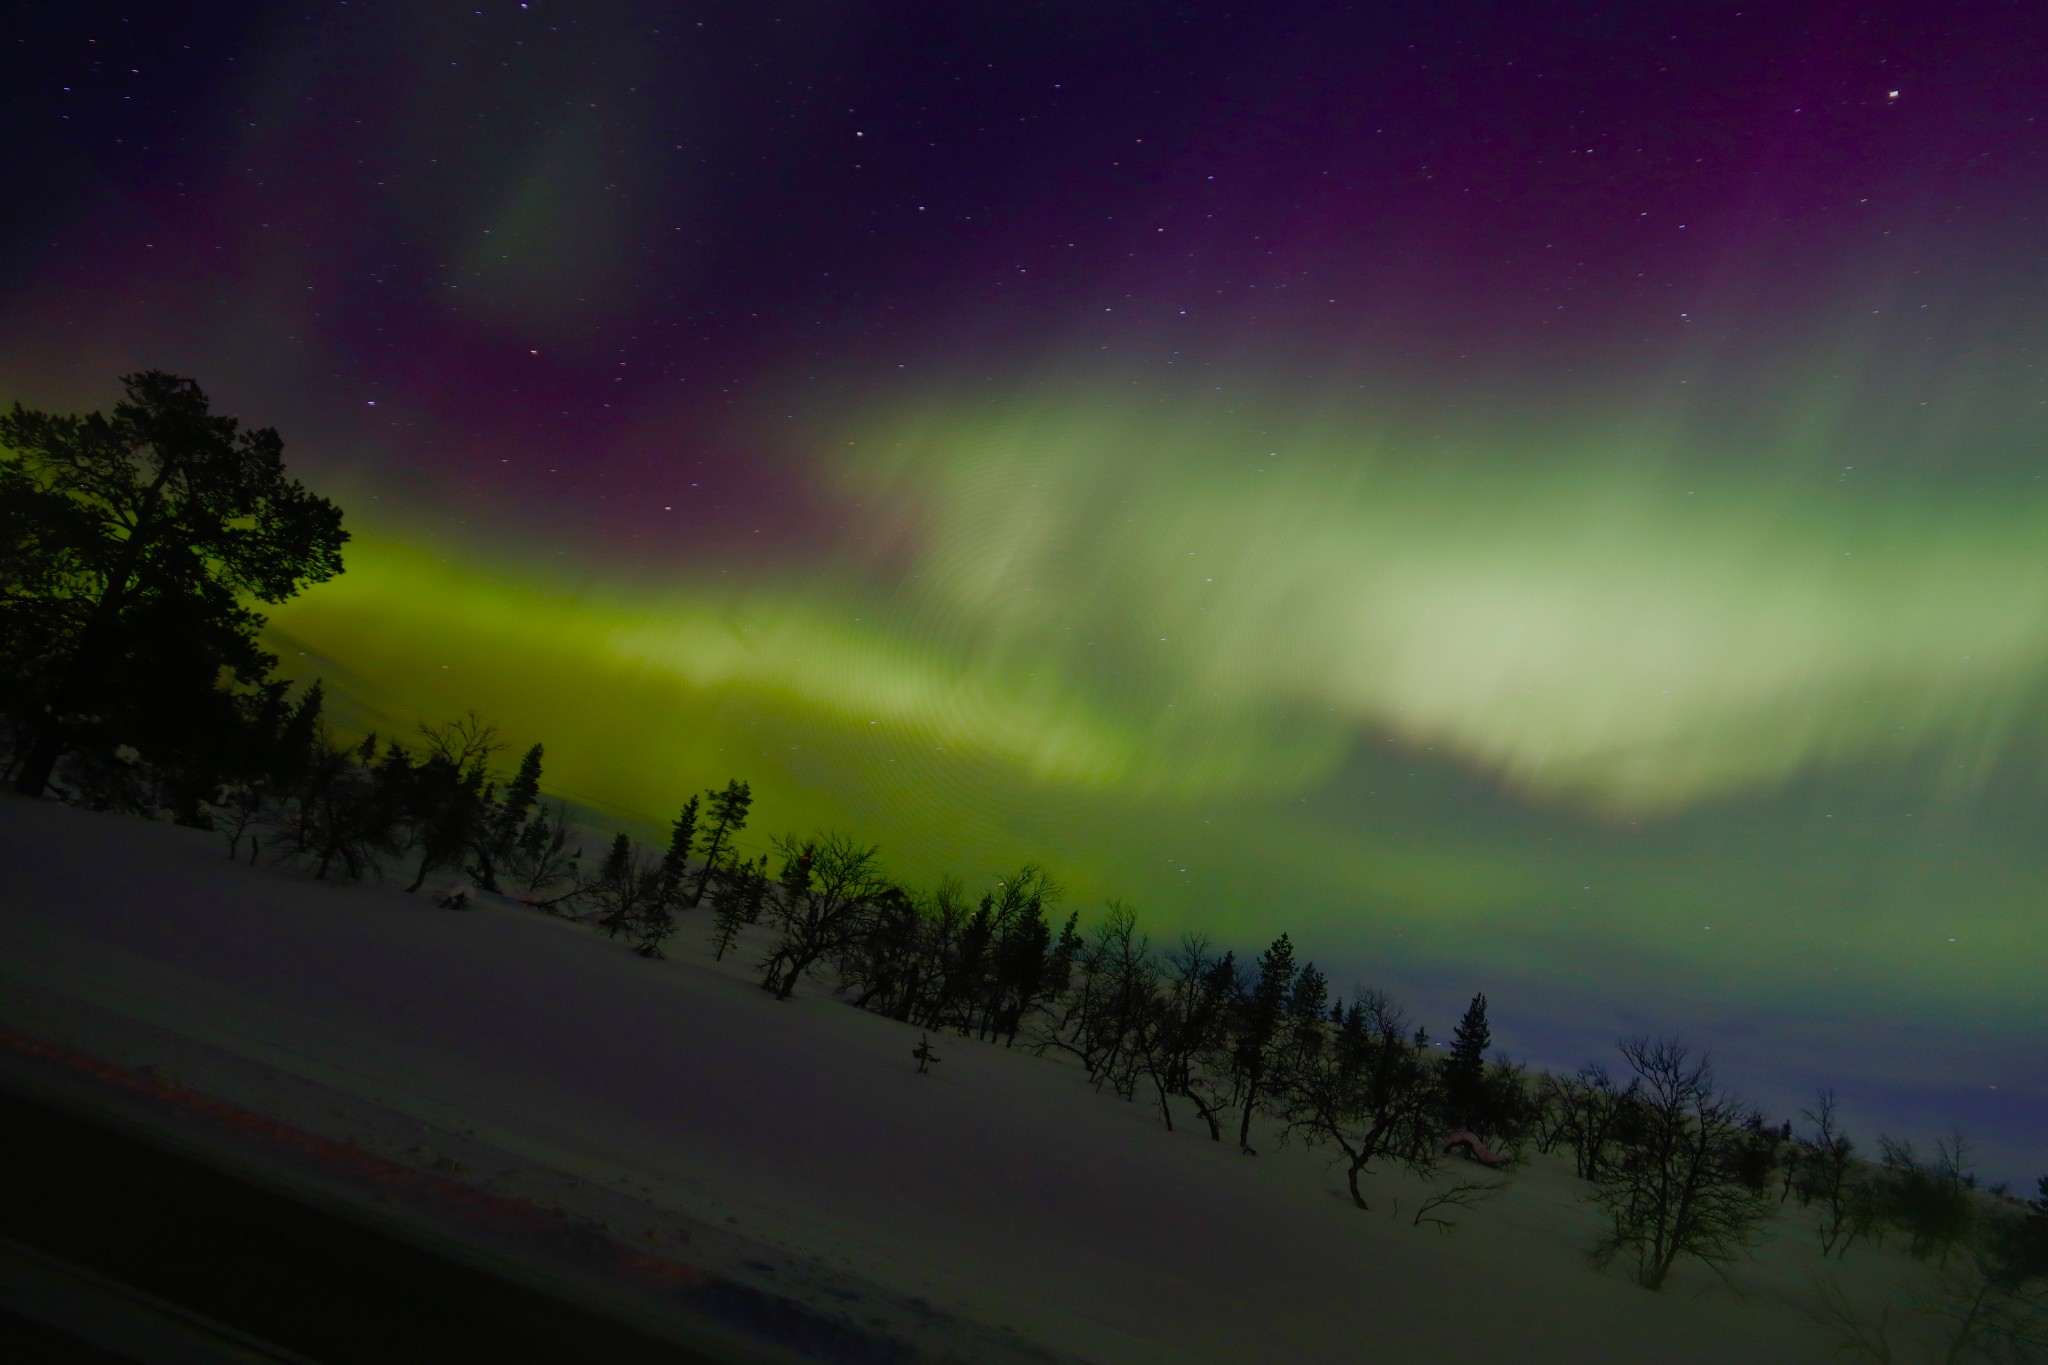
(1541, 500)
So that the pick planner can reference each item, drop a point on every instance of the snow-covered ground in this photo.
(995, 1209)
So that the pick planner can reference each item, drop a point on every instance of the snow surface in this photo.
(998, 1208)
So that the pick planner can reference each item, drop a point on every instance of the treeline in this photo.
(131, 678)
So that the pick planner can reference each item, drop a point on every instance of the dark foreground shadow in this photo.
(113, 1248)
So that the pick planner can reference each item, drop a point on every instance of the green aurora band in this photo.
(1535, 708)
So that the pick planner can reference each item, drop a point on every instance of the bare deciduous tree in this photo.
(1368, 1093)
(829, 884)
(1826, 1175)
(1676, 1186)
(1589, 1109)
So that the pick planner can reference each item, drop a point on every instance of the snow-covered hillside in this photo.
(995, 1205)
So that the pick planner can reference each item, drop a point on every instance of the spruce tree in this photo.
(614, 886)
(739, 904)
(676, 862)
(1305, 1004)
(500, 832)
(728, 812)
(1464, 1072)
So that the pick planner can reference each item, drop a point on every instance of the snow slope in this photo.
(997, 1202)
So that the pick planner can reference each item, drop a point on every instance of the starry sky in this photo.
(1543, 499)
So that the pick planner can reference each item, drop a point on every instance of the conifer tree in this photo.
(504, 824)
(676, 862)
(1306, 1000)
(612, 886)
(739, 904)
(728, 811)
(1464, 1072)
(1258, 1025)
(293, 753)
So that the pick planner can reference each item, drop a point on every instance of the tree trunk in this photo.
(712, 854)
(1244, 1128)
(797, 967)
(1351, 1175)
(78, 680)
(486, 875)
(1208, 1113)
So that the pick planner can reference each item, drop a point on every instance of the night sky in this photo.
(1544, 499)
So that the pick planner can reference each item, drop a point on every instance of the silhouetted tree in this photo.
(134, 541)
(2036, 1230)
(675, 862)
(877, 966)
(625, 893)
(933, 980)
(728, 811)
(271, 762)
(1675, 1188)
(447, 802)
(1107, 1012)
(1992, 1298)
(740, 898)
(1306, 1001)
(1186, 1049)
(1464, 1072)
(1019, 963)
(1258, 1032)
(1508, 1109)
(1368, 1092)
(1929, 1201)
(503, 827)
(1827, 1176)
(1591, 1111)
(829, 885)
(543, 857)
(350, 812)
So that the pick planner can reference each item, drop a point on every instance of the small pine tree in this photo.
(613, 886)
(739, 904)
(676, 862)
(926, 1058)
(501, 831)
(524, 793)
(1464, 1072)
